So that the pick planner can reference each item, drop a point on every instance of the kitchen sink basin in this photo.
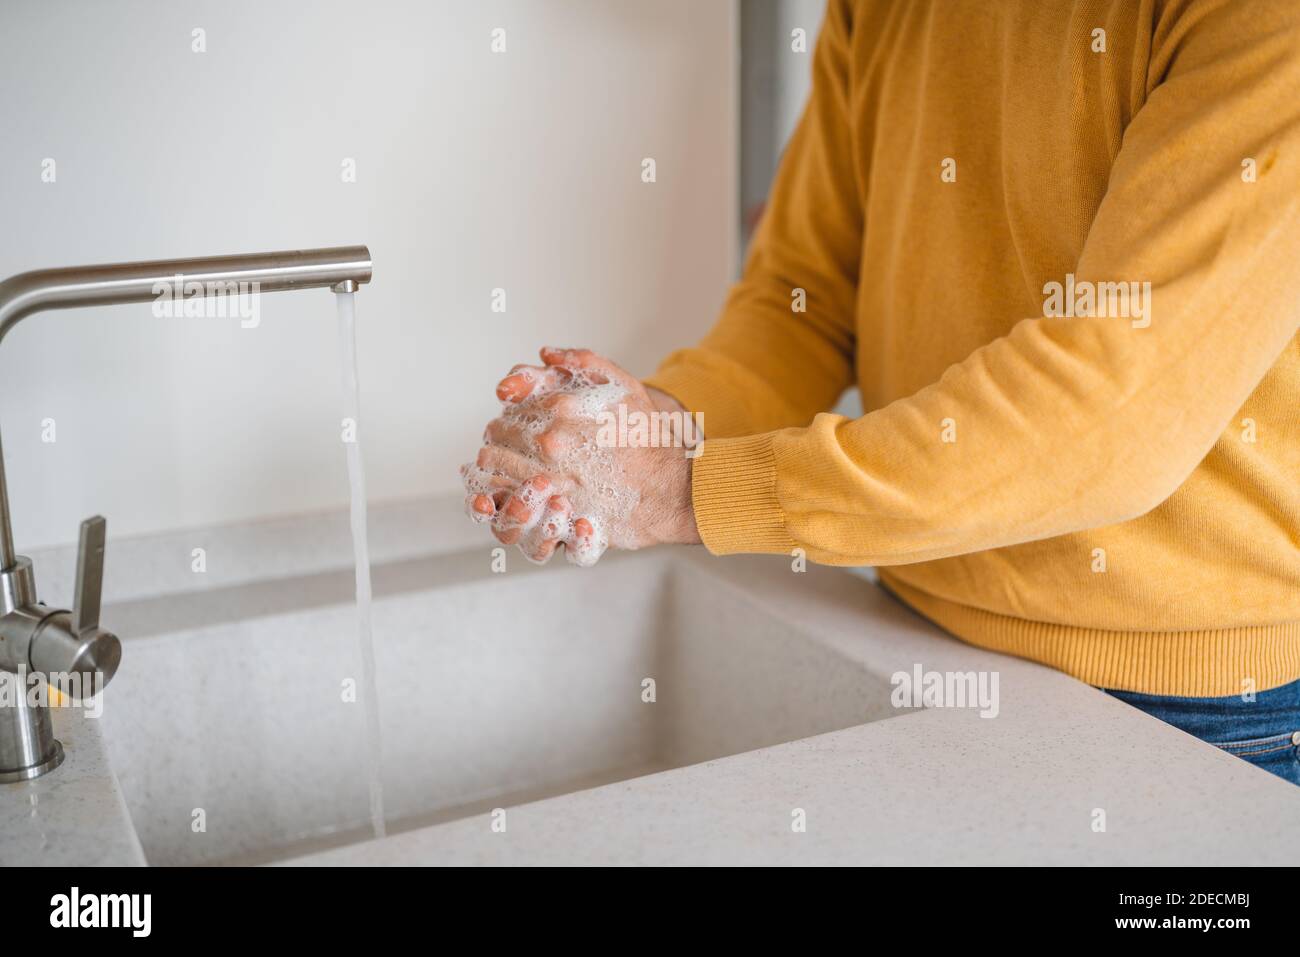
(236, 733)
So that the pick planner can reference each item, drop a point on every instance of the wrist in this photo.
(685, 531)
(692, 536)
(663, 402)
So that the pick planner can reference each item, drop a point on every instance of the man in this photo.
(1057, 246)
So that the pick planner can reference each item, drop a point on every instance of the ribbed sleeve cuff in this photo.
(733, 488)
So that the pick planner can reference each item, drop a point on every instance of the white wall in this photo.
(475, 170)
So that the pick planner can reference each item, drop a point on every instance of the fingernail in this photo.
(514, 388)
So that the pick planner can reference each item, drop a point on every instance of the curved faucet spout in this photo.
(31, 292)
(52, 642)
(104, 285)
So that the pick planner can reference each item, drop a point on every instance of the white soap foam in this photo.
(598, 491)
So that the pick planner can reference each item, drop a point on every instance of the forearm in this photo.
(962, 467)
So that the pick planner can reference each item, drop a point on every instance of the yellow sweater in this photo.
(1111, 488)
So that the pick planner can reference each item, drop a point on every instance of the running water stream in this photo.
(361, 555)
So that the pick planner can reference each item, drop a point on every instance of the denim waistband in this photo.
(1232, 718)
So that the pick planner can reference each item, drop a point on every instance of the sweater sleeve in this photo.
(1064, 424)
(782, 350)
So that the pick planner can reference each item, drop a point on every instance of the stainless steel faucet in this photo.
(43, 647)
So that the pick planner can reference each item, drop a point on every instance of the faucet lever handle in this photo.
(90, 575)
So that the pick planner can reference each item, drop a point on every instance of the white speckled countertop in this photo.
(929, 787)
(74, 815)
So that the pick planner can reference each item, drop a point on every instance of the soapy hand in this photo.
(583, 456)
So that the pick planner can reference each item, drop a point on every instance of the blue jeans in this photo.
(1265, 732)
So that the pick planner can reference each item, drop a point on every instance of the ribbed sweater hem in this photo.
(1208, 663)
